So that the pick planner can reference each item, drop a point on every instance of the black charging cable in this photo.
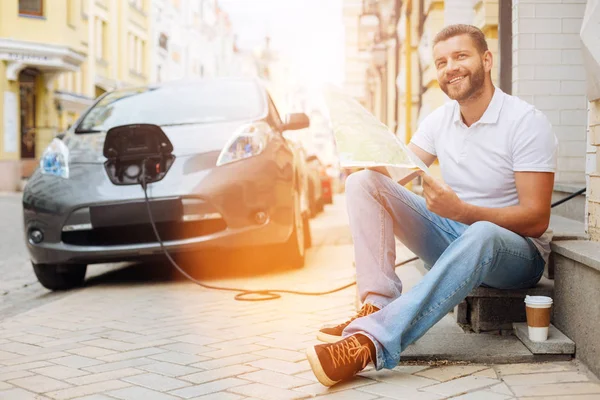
(244, 294)
(265, 294)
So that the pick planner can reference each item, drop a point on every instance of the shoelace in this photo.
(349, 351)
(367, 309)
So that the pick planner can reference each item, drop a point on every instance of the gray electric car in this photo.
(232, 180)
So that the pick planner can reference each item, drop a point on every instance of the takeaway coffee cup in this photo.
(538, 317)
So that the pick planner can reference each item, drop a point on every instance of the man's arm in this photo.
(529, 218)
(426, 157)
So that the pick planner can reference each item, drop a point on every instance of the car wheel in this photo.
(307, 233)
(60, 276)
(321, 205)
(295, 248)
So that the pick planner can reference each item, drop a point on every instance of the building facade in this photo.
(55, 59)
(191, 39)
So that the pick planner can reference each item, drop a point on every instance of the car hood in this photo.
(186, 140)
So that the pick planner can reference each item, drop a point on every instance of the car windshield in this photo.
(176, 105)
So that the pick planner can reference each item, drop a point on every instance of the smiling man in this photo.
(485, 224)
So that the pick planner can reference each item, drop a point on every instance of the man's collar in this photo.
(491, 114)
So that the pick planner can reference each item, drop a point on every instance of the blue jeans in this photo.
(461, 257)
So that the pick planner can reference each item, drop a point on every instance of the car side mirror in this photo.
(296, 121)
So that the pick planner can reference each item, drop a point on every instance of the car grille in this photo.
(143, 233)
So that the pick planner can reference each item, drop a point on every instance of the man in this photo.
(485, 224)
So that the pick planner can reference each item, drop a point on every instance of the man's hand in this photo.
(442, 200)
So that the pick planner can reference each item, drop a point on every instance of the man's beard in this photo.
(465, 90)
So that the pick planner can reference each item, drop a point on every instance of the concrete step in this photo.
(563, 229)
(487, 309)
(475, 348)
(557, 342)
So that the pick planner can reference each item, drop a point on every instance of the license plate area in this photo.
(136, 212)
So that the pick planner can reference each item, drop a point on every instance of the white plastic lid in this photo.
(538, 299)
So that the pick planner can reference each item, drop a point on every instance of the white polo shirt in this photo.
(479, 162)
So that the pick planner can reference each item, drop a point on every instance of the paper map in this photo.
(363, 141)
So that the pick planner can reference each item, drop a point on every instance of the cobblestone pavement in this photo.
(141, 334)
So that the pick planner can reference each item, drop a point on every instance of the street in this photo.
(142, 331)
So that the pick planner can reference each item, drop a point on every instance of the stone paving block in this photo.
(135, 362)
(207, 388)
(25, 366)
(91, 351)
(104, 376)
(110, 344)
(59, 372)
(156, 382)
(187, 348)
(69, 340)
(545, 378)
(218, 373)
(558, 389)
(532, 368)
(557, 342)
(501, 388)
(169, 369)
(276, 379)
(33, 358)
(448, 373)
(236, 343)
(95, 397)
(317, 389)
(349, 395)
(461, 385)
(487, 373)
(280, 354)
(5, 355)
(77, 361)
(233, 351)
(19, 348)
(226, 361)
(482, 395)
(31, 339)
(39, 383)
(20, 394)
(136, 393)
(5, 376)
(5, 386)
(265, 392)
(221, 396)
(285, 367)
(399, 378)
(578, 397)
(131, 354)
(196, 339)
(398, 392)
(178, 358)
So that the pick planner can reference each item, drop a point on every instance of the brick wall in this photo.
(548, 72)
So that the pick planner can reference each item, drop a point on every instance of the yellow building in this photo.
(56, 57)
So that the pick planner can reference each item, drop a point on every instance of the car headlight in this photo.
(55, 159)
(248, 141)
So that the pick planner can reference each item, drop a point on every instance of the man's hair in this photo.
(474, 33)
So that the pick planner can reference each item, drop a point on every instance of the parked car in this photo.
(234, 181)
(315, 189)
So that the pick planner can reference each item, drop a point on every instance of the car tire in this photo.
(307, 233)
(294, 249)
(60, 276)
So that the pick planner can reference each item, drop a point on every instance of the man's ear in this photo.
(488, 61)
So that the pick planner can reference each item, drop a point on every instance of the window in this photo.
(139, 4)
(71, 21)
(100, 30)
(31, 7)
(136, 54)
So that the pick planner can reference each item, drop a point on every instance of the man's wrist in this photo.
(466, 211)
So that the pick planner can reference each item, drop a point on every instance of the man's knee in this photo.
(485, 231)
(364, 181)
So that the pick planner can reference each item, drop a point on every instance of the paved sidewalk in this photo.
(170, 339)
